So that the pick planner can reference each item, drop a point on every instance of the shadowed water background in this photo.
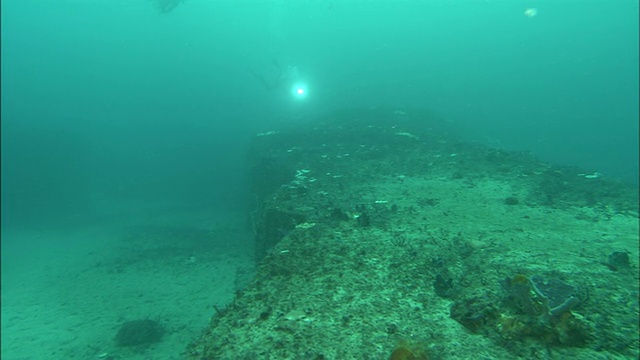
(112, 106)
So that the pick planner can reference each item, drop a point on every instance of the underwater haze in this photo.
(111, 105)
(147, 169)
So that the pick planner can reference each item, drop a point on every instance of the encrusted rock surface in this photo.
(376, 229)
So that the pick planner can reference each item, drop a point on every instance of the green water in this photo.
(110, 106)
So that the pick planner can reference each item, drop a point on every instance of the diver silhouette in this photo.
(166, 6)
(283, 78)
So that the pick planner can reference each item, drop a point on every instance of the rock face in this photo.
(380, 235)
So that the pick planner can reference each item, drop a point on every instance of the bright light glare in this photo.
(299, 91)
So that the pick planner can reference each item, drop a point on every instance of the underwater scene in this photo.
(315, 180)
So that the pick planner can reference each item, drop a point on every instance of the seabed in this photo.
(381, 236)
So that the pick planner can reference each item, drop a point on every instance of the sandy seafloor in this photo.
(66, 292)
